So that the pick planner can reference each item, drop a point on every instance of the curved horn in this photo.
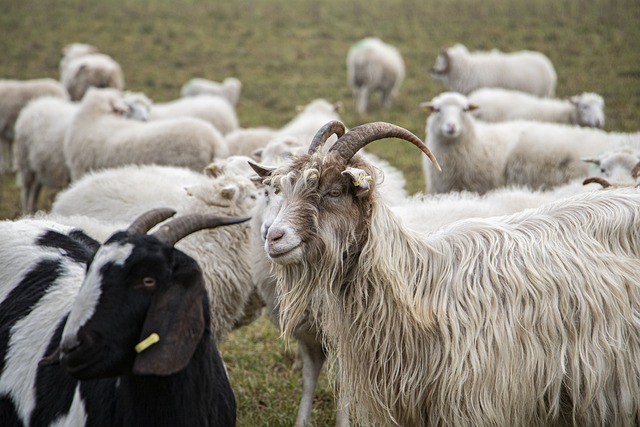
(358, 137)
(598, 180)
(144, 222)
(181, 227)
(334, 126)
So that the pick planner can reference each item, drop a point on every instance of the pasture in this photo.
(289, 52)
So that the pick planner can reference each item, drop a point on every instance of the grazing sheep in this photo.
(62, 294)
(99, 137)
(82, 67)
(528, 319)
(213, 109)
(14, 95)
(39, 140)
(121, 194)
(478, 156)
(463, 71)
(230, 88)
(498, 105)
(374, 66)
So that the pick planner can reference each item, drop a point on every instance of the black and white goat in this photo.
(128, 338)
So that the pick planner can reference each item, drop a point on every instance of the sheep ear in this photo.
(261, 170)
(472, 107)
(119, 106)
(574, 100)
(427, 106)
(338, 106)
(593, 160)
(211, 170)
(176, 317)
(228, 192)
(360, 180)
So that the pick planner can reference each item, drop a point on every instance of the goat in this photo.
(526, 319)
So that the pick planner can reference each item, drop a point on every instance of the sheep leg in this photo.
(6, 156)
(313, 358)
(34, 193)
(362, 97)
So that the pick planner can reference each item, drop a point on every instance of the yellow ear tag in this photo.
(147, 342)
(360, 179)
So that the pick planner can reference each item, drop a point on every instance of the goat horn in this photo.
(598, 180)
(358, 137)
(144, 222)
(324, 133)
(179, 228)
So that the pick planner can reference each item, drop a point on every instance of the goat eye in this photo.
(336, 192)
(148, 282)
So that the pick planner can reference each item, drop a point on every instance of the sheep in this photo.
(309, 119)
(463, 71)
(121, 194)
(230, 88)
(497, 105)
(521, 153)
(213, 109)
(615, 164)
(58, 367)
(39, 139)
(15, 94)
(82, 67)
(527, 319)
(374, 66)
(99, 138)
(249, 141)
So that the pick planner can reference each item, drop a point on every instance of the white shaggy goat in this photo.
(229, 88)
(73, 354)
(529, 319)
(478, 156)
(100, 137)
(82, 67)
(121, 194)
(374, 66)
(14, 96)
(499, 105)
(463, 71)
(214, 109)
(39, 140)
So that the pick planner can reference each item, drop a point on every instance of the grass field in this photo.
(289, 52)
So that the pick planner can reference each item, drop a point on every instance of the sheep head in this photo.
(448, 114)
(142, 308)
(326, 202)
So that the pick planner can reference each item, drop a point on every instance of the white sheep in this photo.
(498, 105)
(100, 137)
(82, 67)
(463, 71)
(229, 88)
(14, 95)
(478, 156)
(249, 141)
(39, 140)
(213, 109)
(309, 119)
(615, 164)
(495, 321)
(121, 194)
(374, 66)
(61, 290)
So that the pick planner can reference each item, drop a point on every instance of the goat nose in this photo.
(275, 234)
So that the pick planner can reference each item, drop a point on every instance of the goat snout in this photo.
(274, 235)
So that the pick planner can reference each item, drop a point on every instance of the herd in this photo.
(507, 293)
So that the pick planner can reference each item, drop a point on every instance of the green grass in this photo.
(289, 52)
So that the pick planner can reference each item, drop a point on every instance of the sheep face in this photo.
(589, 109)
(448, 115)
(135, 286)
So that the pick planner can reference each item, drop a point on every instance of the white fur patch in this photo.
(85, 304)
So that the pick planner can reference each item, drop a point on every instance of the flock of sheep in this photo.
(507, 293)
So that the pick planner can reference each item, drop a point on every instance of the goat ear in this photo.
(262, 171)
(176, 315)
(359, 179)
